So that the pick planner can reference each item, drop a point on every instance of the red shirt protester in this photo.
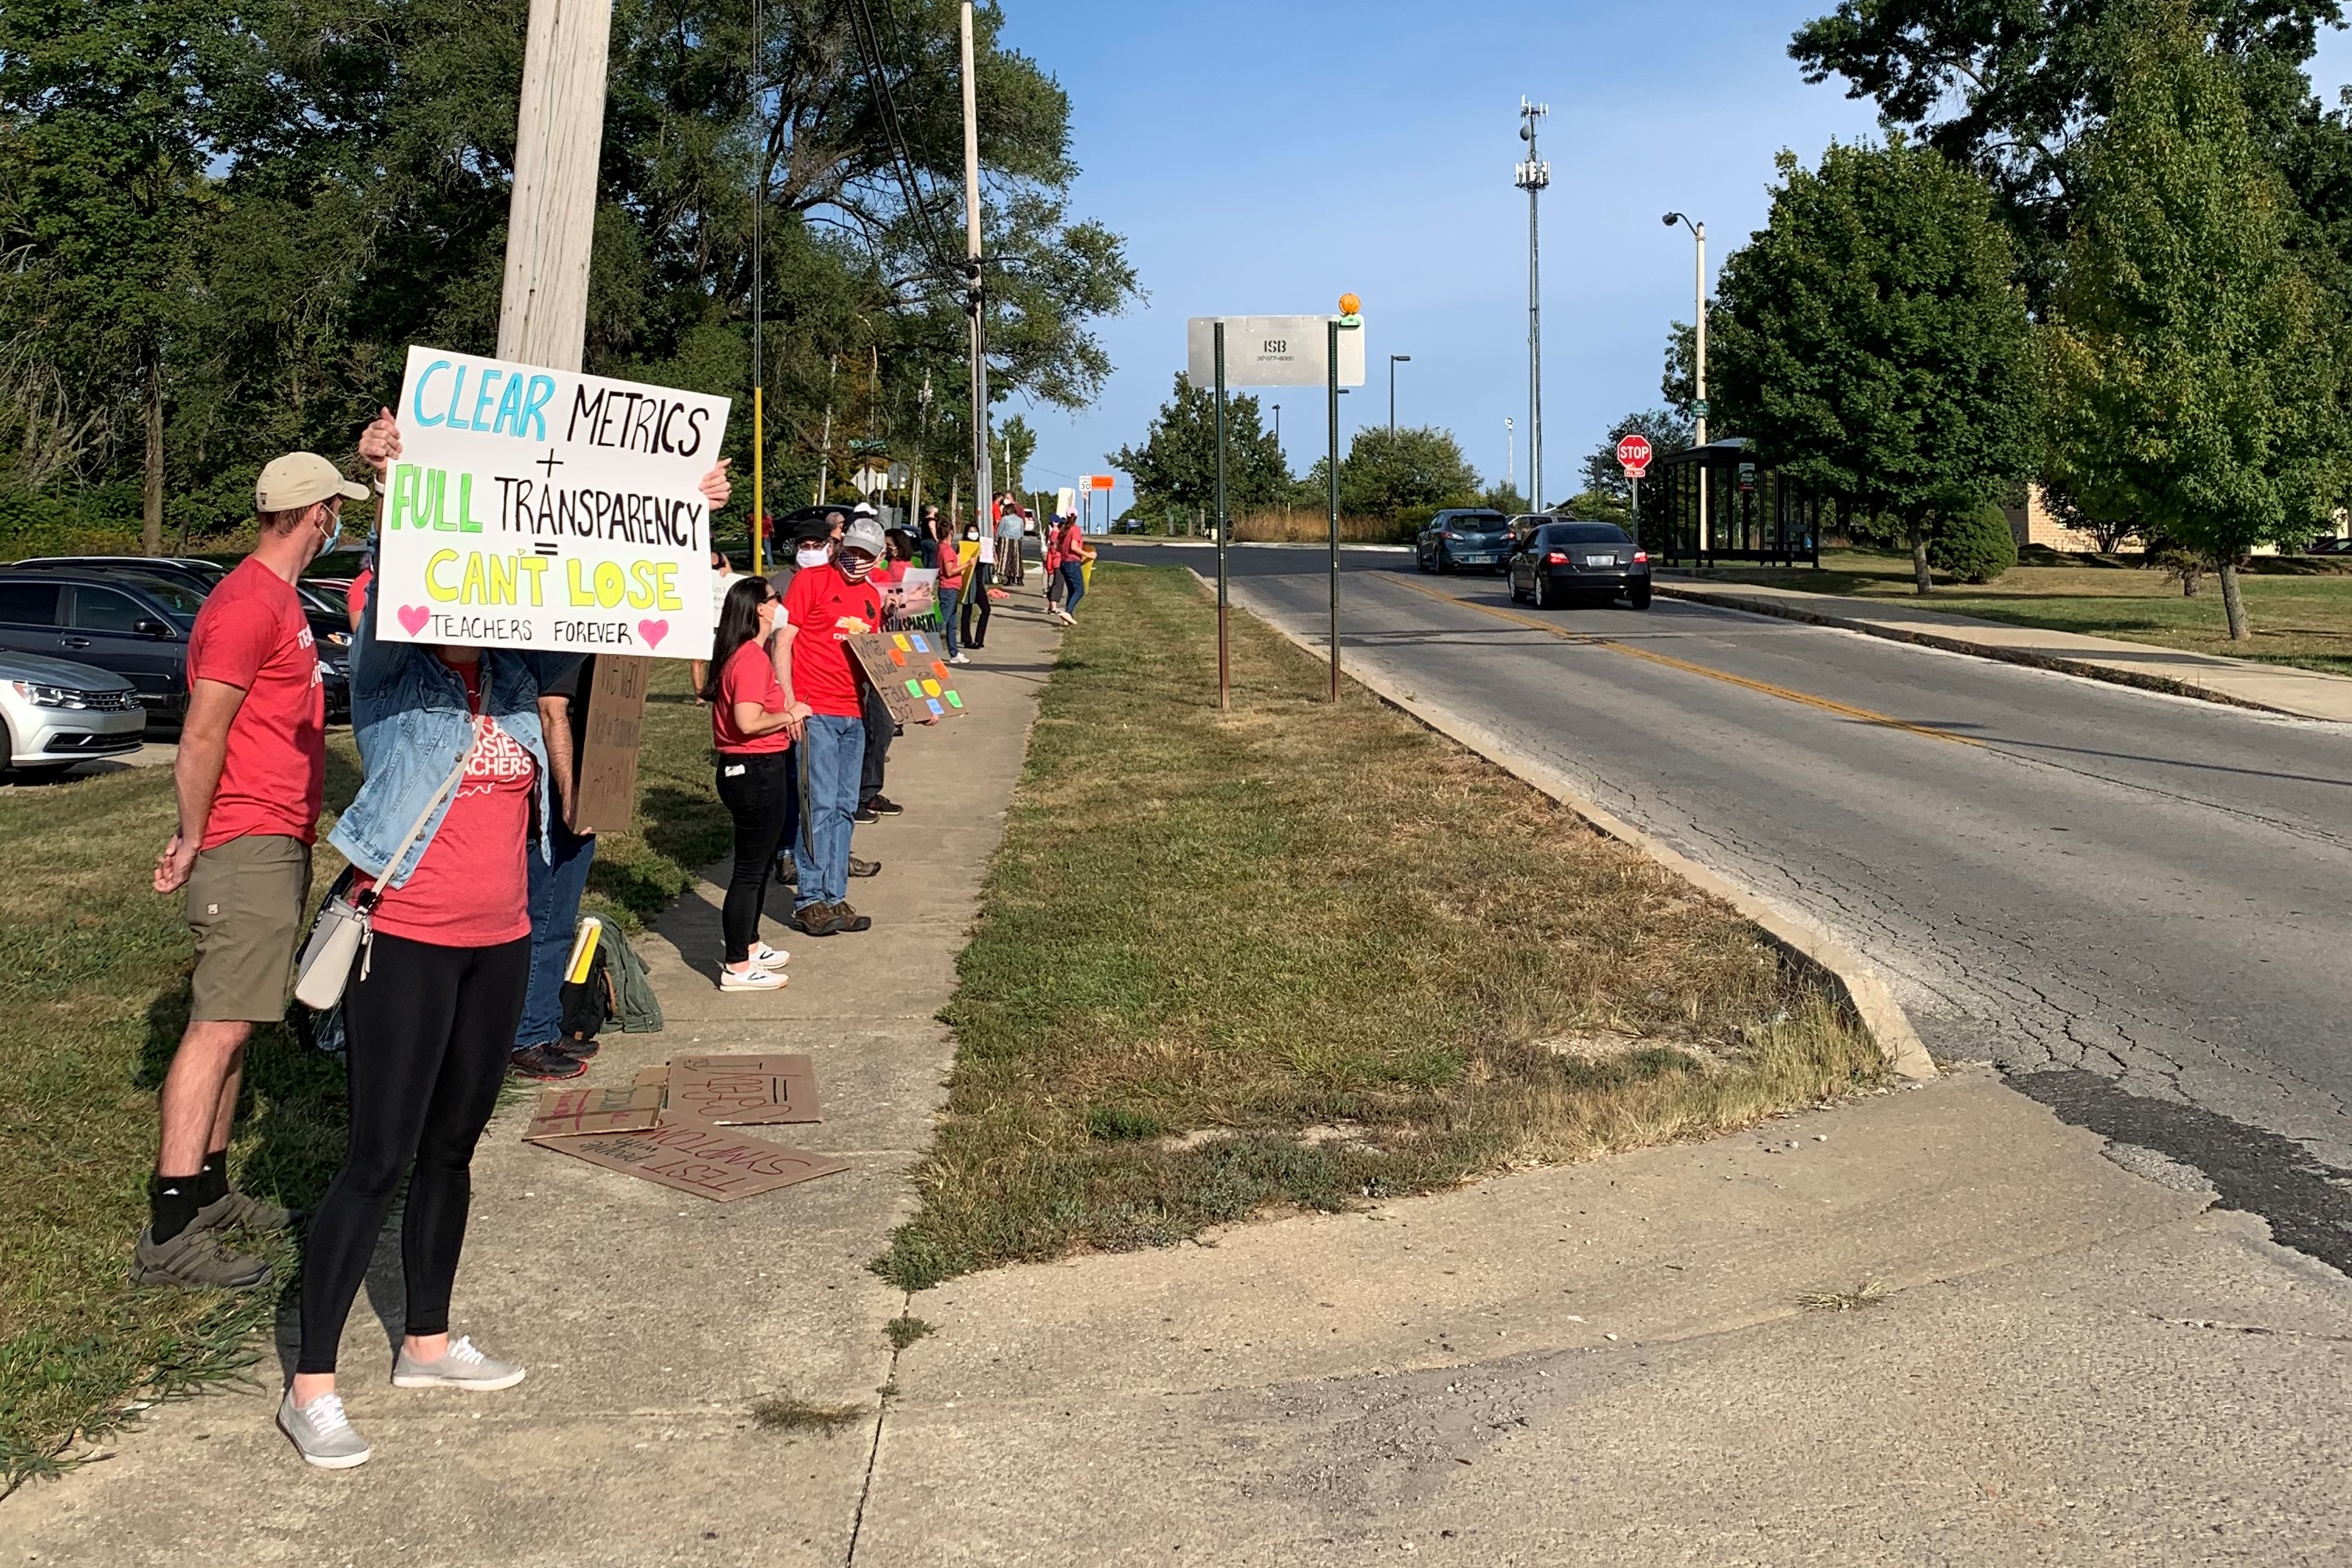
(820, 599)
(750, 676)
(472, 888)
(355, 597)
(252, 633)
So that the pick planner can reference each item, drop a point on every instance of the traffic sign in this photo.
(1633, 453)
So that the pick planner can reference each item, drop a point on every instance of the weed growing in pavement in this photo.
(1869, 1293)
(905, 1329)
(93, 994)
(1291, 918)
(787, 1413)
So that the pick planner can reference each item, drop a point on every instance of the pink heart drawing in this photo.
(653, 632)
(413, 618)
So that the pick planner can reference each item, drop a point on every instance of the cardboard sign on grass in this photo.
(743, 1091)
(714, 1162)
(545, 509)
(910, 670)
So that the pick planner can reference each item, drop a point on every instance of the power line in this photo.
(902, 163)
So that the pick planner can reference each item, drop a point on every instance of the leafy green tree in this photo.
(1505, 499)
(1668, 432)
(1872, 345)
(1386, 471)
(2195, 358)
(2007, 88)
(1176, 465)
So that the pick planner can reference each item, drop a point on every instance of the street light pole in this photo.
(1510, 455)
(975, 291)
(1698, 367)
(1394, 361)
(1532, 176)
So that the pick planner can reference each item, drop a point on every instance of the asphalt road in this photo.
(2138, 907)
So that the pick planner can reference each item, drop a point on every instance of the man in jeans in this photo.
(828, 603)
(250, 778)
(556, 886)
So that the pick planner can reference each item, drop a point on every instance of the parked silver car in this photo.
(54, 713)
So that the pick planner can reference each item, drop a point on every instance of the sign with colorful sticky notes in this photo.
(910, 696)
(544, 508)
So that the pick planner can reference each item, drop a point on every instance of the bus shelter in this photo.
(1753, 514)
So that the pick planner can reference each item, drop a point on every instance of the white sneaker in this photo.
(766, 957)
(462, 1365)
(960, 658)
(321, 1432)
(752, 979)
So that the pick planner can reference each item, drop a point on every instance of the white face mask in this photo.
(810, 555)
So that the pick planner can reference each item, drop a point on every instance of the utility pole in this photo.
(915, 496)
(1394, 361)
(1224, 661)
(759, 301)
(552, 214)
(1510, 455)
(975, 289)
(825, 441)
(1532, 176)
(1698, 368)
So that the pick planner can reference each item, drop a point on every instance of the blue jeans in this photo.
(833, 758)
(948, 597)
(555, 892)
(1074, 585)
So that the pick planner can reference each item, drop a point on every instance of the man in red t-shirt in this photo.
(250, 778)
(827, 605)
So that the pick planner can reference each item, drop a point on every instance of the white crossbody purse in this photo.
(344, 925)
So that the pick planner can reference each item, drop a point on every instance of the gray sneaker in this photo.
(193, 1261)
(460, 1367)
(323, 1433)
(242, 1208)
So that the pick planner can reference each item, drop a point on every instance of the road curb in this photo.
(1849, 974)
(1732, 599)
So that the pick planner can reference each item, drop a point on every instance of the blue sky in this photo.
(1260, 158)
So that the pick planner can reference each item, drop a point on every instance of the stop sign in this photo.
(1633, 452)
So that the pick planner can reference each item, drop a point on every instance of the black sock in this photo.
(212, 1181)
(171, 1204)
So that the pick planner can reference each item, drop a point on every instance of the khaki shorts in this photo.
(245, 903)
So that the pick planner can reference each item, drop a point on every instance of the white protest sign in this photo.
(545, 509)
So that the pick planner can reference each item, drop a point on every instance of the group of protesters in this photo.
(466, 863)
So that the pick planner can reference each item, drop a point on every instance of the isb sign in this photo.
(1271, 350)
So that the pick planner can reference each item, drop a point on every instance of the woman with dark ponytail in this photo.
(754, 723)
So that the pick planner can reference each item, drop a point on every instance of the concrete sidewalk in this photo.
(651, 1320)
(2275, 688)
(1610, 1364)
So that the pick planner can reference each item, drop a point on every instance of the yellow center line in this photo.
(1588, 639)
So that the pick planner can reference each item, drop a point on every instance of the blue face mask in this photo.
(334, 535)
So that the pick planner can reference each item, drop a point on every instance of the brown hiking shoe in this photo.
(241, 1209)
(817, 920)
(846, 919)
(193, 1261)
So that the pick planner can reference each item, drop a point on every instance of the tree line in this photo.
(222, 223)
(2104, 246)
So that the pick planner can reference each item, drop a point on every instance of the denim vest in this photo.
(412, 720)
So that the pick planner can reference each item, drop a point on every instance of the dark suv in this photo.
(1553, 563)
(1463, 536)
(136, 628)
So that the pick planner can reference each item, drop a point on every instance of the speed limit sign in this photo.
(1633, 453)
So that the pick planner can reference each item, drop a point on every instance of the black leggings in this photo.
(426, 1031)
(757, 788)
(975, 597)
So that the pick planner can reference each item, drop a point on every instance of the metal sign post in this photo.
(1224, 663)
(1633, 453)
(1331, 469)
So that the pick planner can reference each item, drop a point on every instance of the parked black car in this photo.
(330, 627)
(1553, 563)
(135, 626)
(1463, 536)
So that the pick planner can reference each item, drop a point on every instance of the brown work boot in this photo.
(241, 1209)
(193, 1261)
(815, 920)
(846, 919)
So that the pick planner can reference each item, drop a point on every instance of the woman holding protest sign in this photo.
(455, 767)
(752, 727)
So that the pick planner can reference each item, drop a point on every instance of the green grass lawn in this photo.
(2298, 618)
(1296, 956)
(94, 993)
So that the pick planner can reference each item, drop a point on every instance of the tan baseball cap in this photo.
(301, 478)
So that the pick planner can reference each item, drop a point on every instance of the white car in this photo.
(54, 713)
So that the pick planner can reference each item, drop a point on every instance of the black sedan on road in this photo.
(1555, 562)
(1463, 536)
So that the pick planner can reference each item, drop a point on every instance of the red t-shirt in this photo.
(819, 600)
(749, 675)
(473, 888)
(253, 635)
(355, 597)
